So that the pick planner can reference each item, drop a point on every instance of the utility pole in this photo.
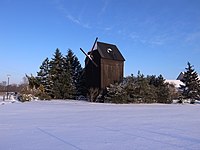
(8, 85)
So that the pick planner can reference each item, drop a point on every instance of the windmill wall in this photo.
(111, 71)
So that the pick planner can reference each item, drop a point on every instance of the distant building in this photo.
(177, 83)
(180, 76)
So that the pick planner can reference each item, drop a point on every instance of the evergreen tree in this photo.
(163, 91)
(56, 74)
(75, 69)
(191, 89)
(67, 80)
(130, 86)
(68, 91)
(116, 93)
(43, 76)
(33, 82)
(82, 86)
(144, 91)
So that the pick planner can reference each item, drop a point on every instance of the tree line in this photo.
(58, 78)
(141, 89)
(62, 77)
(152, 89)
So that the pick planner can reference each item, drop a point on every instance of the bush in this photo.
(25, 97)
(140, 89)
(116, 94)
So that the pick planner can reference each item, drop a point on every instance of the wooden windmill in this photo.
(104, 65)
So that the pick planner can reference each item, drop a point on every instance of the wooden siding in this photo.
(93, 73)
(111, 72)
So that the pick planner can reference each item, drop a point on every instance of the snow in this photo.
(176, 83)
(78, 125)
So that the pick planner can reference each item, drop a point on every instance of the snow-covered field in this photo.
(77, 125)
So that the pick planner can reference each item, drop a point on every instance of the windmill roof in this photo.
(109, 51)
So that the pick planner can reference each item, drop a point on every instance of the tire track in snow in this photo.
(59, 139)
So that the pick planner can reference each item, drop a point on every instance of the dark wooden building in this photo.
(109, 69)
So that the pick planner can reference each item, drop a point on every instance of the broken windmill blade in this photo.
(89, 54)
(94, 44)
(89, 57)
(91, 51)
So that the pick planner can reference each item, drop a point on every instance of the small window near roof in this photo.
(109, 50)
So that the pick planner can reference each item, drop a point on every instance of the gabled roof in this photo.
(180, 76)
(109, 51)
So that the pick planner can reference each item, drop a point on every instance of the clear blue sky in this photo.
(155, 36)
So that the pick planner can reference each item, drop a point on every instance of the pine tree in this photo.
(33, 82)
(129, 86)
(68, 90)
(82, 86)
(116, 93)
(162, 91)
(191, 89)
(56, 74)
(75, 70)
(144, 90)
(43, 76)
(67, 80)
